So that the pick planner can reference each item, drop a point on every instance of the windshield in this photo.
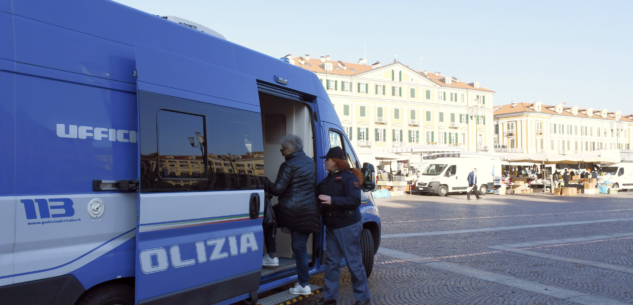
(434, 169)
(608, 170)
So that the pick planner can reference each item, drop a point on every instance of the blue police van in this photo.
(133, 152)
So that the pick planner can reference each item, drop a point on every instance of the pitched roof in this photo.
(315, 65)
(441, 80)
(548, 109)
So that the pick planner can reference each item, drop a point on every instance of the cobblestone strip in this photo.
(506, 228)
(563, 294)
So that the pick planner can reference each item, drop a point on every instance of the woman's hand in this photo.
(325, 199)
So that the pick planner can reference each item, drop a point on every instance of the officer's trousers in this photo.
(345, 243)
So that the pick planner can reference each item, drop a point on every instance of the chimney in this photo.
(426, 72)
(307, 57)
(342, 65)
(455, 79)
(322, 58)
(438, 73)
(361, 61)
(327, 57)
(302, 60)
(475, 85)
(447, 80)
(288, 56)
(375, 65)
(514, 104)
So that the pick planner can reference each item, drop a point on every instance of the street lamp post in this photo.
(475, 110)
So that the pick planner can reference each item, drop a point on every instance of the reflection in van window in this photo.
(193, 146)
(611, 170)
(434, 169)
(180, 145)
(335, 139)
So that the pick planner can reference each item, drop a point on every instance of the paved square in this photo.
(515, 249)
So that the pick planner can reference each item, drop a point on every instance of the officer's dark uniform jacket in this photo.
(344, 188)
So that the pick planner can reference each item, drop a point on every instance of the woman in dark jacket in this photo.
(298, 208)
(339, 194)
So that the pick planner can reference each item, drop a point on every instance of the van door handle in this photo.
(254, 206)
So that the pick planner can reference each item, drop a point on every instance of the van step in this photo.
(285, 298)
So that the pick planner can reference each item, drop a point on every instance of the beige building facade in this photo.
(385, 108)
(538, 128)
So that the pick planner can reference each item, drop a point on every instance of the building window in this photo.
(413, 114)
(428, 116)
(440, 96)
(329, 84)
(362, 87)
(414, 136)
(363, 134)
(381, 134)
(379, 112)
(348, 131)
(362, 111)
(412, 93)
(462, 97)
(346, 86)
(452, 118)
(400, 91)
(428, 94)
(430, 137)
(441, 117)
(346, 110)
(396, 113)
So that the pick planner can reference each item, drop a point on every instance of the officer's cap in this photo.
(335, 152)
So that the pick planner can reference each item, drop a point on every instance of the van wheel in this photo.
(108, 294)
(616, 186)
(367, 250)
(443, 191)
(483, 189)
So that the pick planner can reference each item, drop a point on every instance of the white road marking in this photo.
(562, 242)
(505, 228)
(560, 293)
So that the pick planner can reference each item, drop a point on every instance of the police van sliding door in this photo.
(199, 233)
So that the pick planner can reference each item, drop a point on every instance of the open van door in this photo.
(199, 236)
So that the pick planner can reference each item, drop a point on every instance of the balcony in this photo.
(509, 133)
(382, 120)
(539, 131)
(453, 125)
(364, 143)
(414, 122)
(396, 144)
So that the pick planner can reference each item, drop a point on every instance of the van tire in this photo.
(108, 294)
(442, 191)
(483, 189)
(367, 251)
(616, 186)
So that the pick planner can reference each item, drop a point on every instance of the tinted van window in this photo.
(212, 147)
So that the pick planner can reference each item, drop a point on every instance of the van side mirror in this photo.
(369, 175)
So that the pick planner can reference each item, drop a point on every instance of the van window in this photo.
(337, 140)
(434, 169)
(621, 172)
(451, 171)
(349, 154)
(198, 146)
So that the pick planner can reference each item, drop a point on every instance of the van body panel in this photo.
(7, 47)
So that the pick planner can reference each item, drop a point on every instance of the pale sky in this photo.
(578, 52)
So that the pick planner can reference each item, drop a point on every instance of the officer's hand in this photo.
(325, 199)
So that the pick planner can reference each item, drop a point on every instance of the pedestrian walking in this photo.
(472, 182)
(339, 194)
(566, 177)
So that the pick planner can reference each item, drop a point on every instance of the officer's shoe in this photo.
(298, 289)
(365, 302)
(324, 301)
(270, 261)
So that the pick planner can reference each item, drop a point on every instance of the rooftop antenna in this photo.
(421, 63)
(365, 50)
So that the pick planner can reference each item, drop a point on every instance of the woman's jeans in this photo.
(299, 247)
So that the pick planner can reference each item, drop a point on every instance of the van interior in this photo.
(282, 116)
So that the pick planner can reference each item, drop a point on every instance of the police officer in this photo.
(339, 195)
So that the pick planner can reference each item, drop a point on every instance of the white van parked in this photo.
(448, 173)
(620, 175)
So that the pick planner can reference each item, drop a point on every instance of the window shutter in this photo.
(376, 89)
(444, 96)
(400, 135)
(393, 91)
(358, 87)
(409, 136)
(335, 85)
(367, 133)
(413, 114)
(383, 90)
(445, 138)
(456, 135)
(428, 94)
(484, 118)
(466, 119)
(400, 75)
(377, 132)
(484, 104)
(461, 118)
(384, 134)
(392, 75)
(400, 91)
(432, 136)
(350, 136)
(366, 88)
(380, 112)
(393, 135)
(417, 136)
(358, 136)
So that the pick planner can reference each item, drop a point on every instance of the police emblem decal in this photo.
(96, 207)
(356, 184)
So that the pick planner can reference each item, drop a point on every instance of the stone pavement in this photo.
(514, 249)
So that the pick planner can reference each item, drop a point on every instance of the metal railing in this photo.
(382, 119)
(453, 125)
(414, 122)
(509, 132)
(539, 131)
